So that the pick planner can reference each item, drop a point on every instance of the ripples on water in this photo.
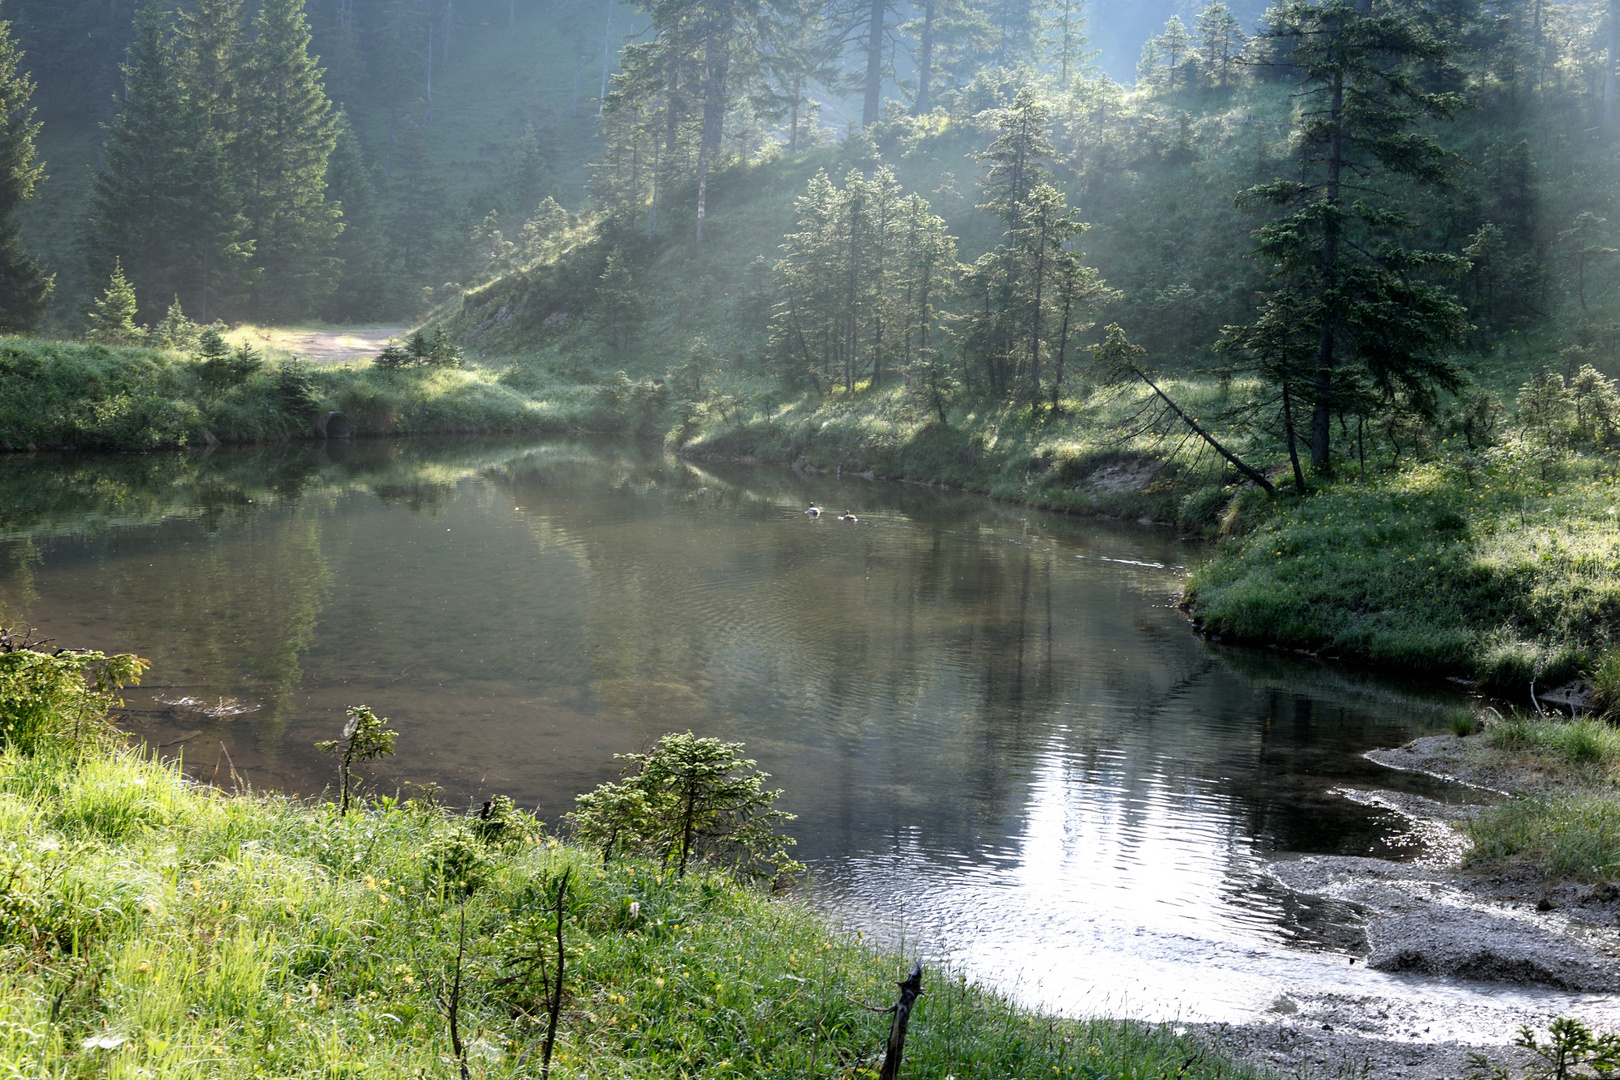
(1003, 744)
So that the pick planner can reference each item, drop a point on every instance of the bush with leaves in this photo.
(57, 693)
(690, 798)
(499, 822)
(456, 863)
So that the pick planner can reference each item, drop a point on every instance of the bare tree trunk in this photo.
(793, 119)
(607, 57)
(715, 59)
(910, 991)
(1608, 66)
(1322, 407)
(874, 63)
(925, 59)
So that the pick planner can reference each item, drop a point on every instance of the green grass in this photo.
(92, 397)
(155, 926)
(1577, 837)
(1444, 566)
(1581, 741)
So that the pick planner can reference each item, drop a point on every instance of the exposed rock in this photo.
(1123, 476)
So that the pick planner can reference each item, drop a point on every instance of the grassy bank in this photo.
(1563, 823)
(155, 926)
(92, 397)
(1457, 565)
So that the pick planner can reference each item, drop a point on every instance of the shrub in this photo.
(227, 368)
(393, 357)
(296, 391)
(689, 798)
(65, 693)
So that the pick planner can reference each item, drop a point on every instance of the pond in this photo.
(1005, 746)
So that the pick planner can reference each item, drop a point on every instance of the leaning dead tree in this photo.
(1117, 358)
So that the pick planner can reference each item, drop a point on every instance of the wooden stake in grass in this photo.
(452, 1005)
(910, 991)
(554, 1000)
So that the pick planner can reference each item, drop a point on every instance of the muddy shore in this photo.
(1425, 920)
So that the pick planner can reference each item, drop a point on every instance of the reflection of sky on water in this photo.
(1000, 740)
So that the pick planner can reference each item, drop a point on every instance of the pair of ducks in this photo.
(815, 512)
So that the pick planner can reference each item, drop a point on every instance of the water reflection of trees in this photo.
(895, 674)
(904, 678)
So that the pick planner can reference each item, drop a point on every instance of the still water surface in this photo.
(1004, 745)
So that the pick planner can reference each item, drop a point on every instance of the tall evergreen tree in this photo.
(281, 151)
(1352, 316)
(25, 288)
(140, 200)
(362, 290)
(211, 56)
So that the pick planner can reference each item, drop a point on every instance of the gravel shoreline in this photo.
(1429, 920)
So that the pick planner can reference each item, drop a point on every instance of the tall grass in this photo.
(153, 926)
(1572, 838)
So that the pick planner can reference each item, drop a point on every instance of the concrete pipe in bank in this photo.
(334, 425)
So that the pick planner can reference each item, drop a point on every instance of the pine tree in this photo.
(1352, 322)
(1220, 42)
(25, 288)
(416, 231)
(112, 318)
(280, 154)
(361, 291)
(1065, 40)
(210, 59)
(140, 198)
(618, 302)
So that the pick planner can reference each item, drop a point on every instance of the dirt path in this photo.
(332, 345)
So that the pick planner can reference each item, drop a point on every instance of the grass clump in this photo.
(1577, 837)
(1580, 741)
(155, 926)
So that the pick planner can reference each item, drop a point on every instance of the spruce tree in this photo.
(112, 318)
(361, 291)
(211, 56)
(141, 195)
(417, 226)
(25, 288)
(280, 153)
(1354, 320)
